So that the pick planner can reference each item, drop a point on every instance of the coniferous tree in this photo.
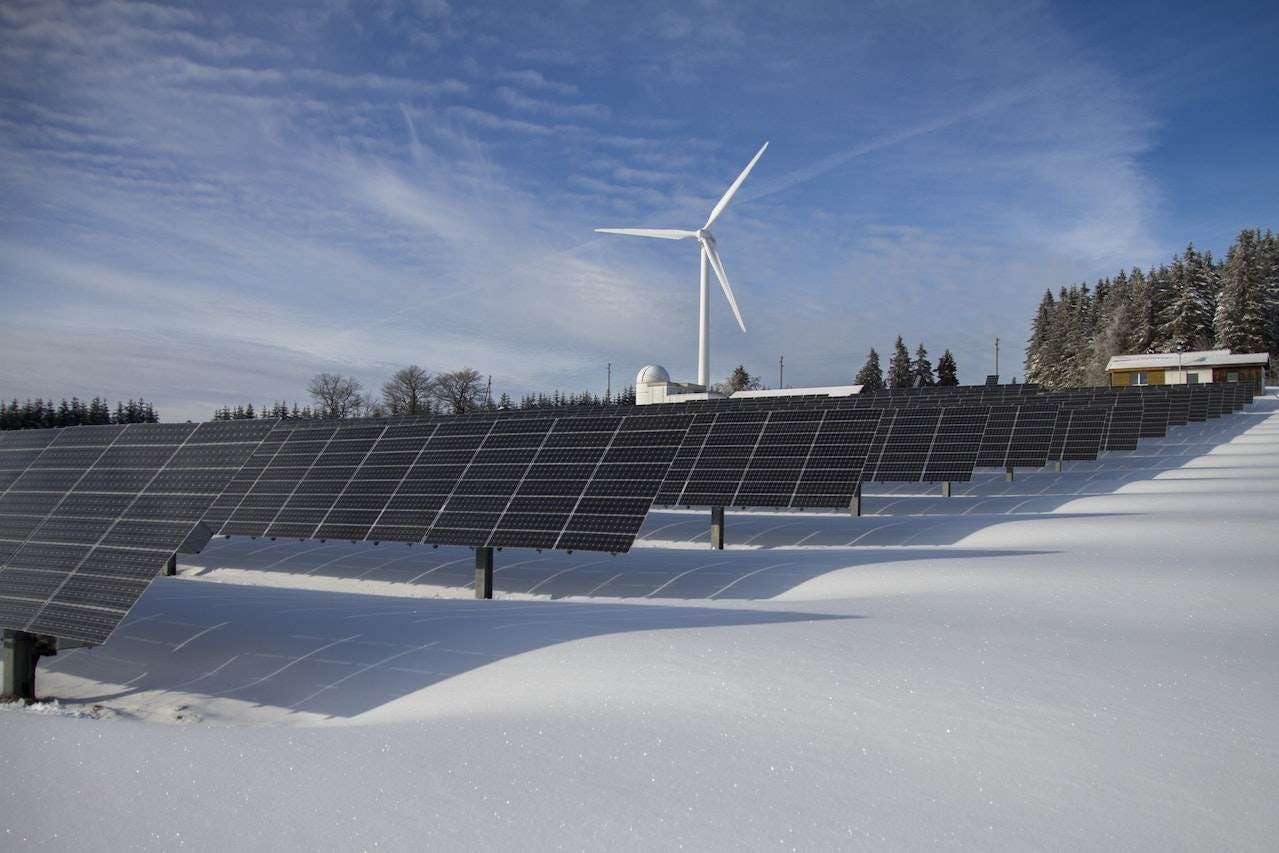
(1270, 268)
(921, 369)
(1205, 281)
(1037, 365)
(1246, 305)
(947, 371)
(1139, 335)
(1186, 320)
(899, 375)
(871, 376)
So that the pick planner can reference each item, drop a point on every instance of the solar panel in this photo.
(925, 445)
(833, 469)
(1081, 436)
(669, 493)
(800, 457)
(723, 457)
(1030, 438)
(1154, 416)
(1178, 405)
(570, 482)
(98, 513)
(1124, 429)
(18, 449)
(1198, 408)
(1017, 436)
(1216, 399)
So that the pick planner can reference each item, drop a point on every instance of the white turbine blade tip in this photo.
(732, 190)
(718, 266)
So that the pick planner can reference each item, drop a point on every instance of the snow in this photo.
(1084, 659)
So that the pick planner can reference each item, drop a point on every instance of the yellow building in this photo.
(1179, 368)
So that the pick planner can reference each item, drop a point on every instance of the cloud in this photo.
(530, 79)
(256, 200)
(519, 101)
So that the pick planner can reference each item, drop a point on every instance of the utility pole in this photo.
(781, 371)
(608, 389)
(996, 356)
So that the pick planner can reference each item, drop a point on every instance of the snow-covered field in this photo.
(1085, 659)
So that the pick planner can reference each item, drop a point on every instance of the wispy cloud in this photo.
(531, 79)
(260, 196)
(513, 98)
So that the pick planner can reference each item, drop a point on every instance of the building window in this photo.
(1192, 378)
(1232, 376)
(1139, 377)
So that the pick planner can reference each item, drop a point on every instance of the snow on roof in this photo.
(825, 390)
(1205, 358)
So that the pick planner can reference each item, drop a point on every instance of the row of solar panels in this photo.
(88, 515)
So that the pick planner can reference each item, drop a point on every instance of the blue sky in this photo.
(209, 203)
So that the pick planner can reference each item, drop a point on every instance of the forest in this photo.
(1193, 302)
(42, 414)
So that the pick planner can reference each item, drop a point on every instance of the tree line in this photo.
(43, 414)
(906, 372)
(413, 390)
(1193, 302)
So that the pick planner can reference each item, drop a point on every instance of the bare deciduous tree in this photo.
(408, 391)
(336, 396)
(368, 406)
(459, 391)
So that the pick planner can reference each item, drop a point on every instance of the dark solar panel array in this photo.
(1124, 429)
(88, 515)
(800, 457)
(97, 514)
(926, 445)
(1017, 436)
(569, 482)
(18, 449)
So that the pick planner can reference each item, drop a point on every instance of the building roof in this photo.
(1205, 358)
(823, 391)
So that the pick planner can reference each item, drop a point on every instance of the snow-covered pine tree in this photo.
(1077, 346)
(921, 369)
(947, 371)
(871, 376)
(1270, 272)
(1205, 281)
(899, 375)
(1161, 285)
(1246, 304)
(1108, 340)
(1139, 334)
(1182, 320)
(1040, 330)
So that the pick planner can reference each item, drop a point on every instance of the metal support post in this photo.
(945, 488)
(855, 505)
(1057, 465)
(21, 653)
(717, 528)
(171, 567)
(1008, 473)
(483, 572)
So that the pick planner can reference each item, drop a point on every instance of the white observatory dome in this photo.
(652, 373)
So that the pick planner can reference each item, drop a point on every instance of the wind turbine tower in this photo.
(709, 257)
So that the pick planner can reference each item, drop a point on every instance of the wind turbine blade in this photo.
(728, 196)
(662, 233)
(718, 266)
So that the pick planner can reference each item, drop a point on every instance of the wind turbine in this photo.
(709, 257)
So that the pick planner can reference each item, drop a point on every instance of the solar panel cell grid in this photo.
(97, 545)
